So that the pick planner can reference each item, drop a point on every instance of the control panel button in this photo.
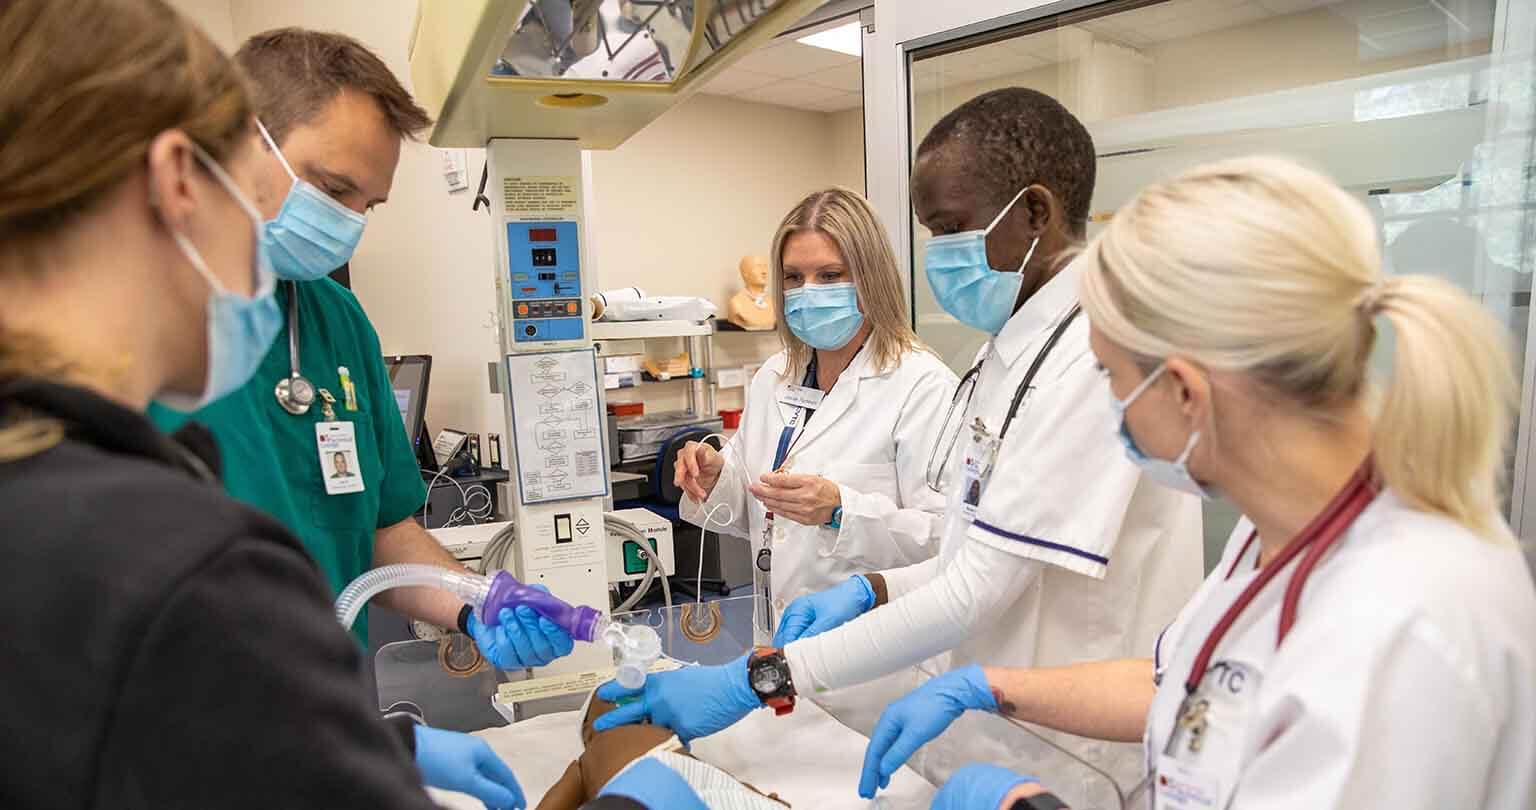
(522, 309)
(570, 307)
(530, 330)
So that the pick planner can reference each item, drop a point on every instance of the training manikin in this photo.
(607, 753)
(750, 307)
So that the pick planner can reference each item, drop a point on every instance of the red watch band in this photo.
(780, 705)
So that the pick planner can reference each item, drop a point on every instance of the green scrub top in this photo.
(271, 458)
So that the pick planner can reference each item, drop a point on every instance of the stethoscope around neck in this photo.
(295, 393)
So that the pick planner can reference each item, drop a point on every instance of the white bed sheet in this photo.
(807, 757)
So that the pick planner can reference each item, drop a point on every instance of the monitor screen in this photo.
(408, 377)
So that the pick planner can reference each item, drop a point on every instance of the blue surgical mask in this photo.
(240, 329)
(1170, 473)
(312, 234)
(825, 316)
(964, 282)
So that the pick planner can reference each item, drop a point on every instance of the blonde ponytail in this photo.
(1262, 267)
(1444, 423)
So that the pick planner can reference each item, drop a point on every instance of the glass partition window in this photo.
(1414, 105)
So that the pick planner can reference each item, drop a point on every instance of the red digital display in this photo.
(542, 235)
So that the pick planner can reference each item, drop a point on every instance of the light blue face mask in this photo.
(313, 235)
(964, 282)
(825, 316)
(240, 329)
(1170, 473)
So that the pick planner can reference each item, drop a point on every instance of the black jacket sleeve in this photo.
(246, 693)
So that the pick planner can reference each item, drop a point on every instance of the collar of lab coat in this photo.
(1040, 312)
(836, 403)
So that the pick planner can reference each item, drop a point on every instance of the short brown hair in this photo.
(295, 72)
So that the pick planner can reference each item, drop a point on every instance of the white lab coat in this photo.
(1118, 554)
(1407, 681)
(871, 435)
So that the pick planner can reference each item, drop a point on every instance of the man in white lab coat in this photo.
(1067, 553)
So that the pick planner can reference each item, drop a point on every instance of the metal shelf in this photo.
(641, 330)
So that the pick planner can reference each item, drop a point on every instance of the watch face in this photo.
(766, 680)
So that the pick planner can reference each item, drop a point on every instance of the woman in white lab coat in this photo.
(1369, 636)
(826, 477)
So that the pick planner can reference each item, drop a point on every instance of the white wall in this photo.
(848, 149)
(674, 209)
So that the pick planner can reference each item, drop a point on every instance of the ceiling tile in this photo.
(736, 79)
(790, 93)
(849, 78)
(1216, 20)
(790, 59)
(1294, 6)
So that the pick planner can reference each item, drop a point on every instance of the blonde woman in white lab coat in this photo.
(1368, 639)
(825, 478)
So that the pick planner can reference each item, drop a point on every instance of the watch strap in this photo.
(837, 518)
(783, 701)
(1040, 801)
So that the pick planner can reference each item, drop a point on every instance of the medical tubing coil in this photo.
(469, 587)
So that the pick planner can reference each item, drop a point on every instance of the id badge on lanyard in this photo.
(1198, 768)
(805, 399)
(979, 459)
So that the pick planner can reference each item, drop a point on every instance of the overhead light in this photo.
(846, 38)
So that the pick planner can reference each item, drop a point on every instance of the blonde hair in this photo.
(1263, 267)
(848, 219)
(85, 86)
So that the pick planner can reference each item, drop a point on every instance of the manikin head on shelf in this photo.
(754, 273)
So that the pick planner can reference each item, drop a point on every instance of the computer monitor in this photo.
(409, 375)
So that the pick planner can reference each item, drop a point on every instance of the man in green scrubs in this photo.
(333, 119)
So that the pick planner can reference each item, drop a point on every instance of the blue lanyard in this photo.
(786, 437)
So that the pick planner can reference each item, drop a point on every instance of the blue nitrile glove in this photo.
(909, 723)
(693, 701)
(978, 787)
(454, 761)
(521, 638)
(816, 613)
(656, 786)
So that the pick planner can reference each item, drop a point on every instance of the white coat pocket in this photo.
(864, 487)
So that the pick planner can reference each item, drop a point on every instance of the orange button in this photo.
(570, 307)
(522, 309)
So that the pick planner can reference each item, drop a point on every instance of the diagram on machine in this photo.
(558, 431)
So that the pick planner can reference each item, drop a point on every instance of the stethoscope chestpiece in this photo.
(295, 394)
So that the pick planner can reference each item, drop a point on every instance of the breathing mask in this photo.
(312, 234)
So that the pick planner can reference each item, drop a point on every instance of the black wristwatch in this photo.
(1040, 801)
(768, 674)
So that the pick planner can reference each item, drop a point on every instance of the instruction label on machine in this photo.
(556, 426)
(541, 197)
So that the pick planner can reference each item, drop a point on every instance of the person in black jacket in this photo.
(165, 646)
